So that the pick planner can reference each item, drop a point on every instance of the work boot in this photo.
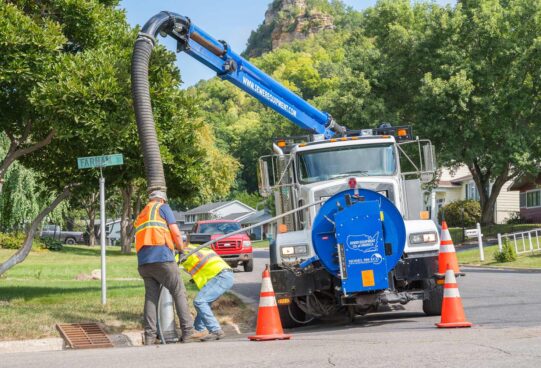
(194, 335)
(149, 339)
(215, 335)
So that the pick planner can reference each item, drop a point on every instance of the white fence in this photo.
(524, 241)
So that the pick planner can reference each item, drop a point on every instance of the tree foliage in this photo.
(468, 77)
(68, 72)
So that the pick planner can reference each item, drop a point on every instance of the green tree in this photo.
(466, 77)
(28, 47)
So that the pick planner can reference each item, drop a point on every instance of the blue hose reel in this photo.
(359, 237)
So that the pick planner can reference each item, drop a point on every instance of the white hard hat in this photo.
(158, 194)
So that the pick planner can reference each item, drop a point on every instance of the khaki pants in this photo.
(166, 274)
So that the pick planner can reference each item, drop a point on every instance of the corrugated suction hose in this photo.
(143, 113)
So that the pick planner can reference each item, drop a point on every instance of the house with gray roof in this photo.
(228, 210)
(260, 232)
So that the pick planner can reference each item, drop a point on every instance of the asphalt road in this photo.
(505, 308)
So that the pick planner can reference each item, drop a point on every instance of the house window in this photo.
(533, 198)
(471, 191)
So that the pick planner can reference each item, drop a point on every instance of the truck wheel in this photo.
(249, 266)
(285, 316)
(70, 241)
(432, 305)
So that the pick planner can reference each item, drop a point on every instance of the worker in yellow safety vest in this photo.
(156, 237)
(213, 277)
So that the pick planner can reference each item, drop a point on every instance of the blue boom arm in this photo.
(232, 67)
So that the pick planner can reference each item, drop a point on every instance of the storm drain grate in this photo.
(84, 335)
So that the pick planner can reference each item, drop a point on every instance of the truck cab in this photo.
(305, 170)
(236, 249)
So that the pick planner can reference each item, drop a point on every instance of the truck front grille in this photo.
(228, 245)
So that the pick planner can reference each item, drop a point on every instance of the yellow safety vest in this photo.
(203, 265)
(151, 230)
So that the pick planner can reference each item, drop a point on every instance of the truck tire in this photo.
(70, 241)
(285, 316)
(432, 305)
(249, 266)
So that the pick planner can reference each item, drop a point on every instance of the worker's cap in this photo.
(158, 194)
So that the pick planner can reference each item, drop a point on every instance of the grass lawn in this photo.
(43, 291)
(492, 231)
(260, 244)
(471, 257)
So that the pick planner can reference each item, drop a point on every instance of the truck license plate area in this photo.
(359, 234)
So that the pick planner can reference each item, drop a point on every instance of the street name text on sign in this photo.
(100, 161)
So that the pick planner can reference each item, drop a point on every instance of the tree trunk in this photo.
(136, 209)
(22, 253)
(488, 195)
(126, 219)
(91, 211)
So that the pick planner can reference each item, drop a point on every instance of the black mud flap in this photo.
(416, 268)
(287, 284)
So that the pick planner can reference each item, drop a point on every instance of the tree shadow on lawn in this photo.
(7, 293)
(93, 251)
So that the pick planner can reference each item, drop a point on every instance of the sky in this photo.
(230, 20)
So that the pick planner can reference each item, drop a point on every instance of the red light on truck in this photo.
(352, 182)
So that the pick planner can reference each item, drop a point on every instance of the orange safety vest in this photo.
(151, 229)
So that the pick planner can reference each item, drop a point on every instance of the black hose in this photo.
(163, 22)
(143, 114)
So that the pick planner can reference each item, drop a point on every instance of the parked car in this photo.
(236, 249)
(66, 237)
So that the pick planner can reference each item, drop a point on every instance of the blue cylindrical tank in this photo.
(359, 233)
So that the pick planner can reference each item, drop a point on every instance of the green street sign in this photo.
(100, 161)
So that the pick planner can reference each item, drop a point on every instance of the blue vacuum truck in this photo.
(351, 235)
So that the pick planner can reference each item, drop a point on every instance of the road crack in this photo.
(330, 361)
(495, 348)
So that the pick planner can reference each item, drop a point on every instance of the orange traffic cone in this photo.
(269, 326)
(447, 254)
(452, 311)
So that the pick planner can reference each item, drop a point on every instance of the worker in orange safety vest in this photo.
(156, 237)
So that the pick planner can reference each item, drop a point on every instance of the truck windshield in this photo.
(218, 227)
(332, 163)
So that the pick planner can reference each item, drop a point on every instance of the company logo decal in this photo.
(364, 243)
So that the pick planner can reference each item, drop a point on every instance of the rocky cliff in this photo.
(286, 21)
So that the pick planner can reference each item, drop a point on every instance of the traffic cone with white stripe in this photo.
(269, 326)
(452, 311)
(447, 254)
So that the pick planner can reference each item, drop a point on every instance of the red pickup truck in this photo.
(236, 249)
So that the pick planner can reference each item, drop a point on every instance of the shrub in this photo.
(11, 241)
(515, 219)
(51, 244)
(453, 213)
(507, 254)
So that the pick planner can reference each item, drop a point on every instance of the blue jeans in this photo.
(212, 290)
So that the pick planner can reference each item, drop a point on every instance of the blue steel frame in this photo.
(232, 67)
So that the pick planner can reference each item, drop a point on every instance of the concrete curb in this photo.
(502, 269)
(126, 339)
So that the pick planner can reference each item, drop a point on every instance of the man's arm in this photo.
(167, 213)
(177, 236)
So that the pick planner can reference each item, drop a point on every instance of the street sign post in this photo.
(99, 162)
